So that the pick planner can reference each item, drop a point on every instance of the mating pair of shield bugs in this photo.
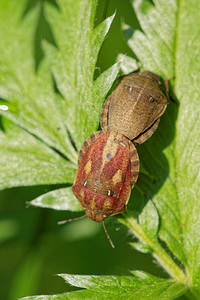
(108, 163)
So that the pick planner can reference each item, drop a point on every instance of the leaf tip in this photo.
(127, 64)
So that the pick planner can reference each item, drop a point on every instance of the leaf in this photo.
(125, 287)
(144, 248)
(63, 296)
(127, 64)
(40, 151)
(73, 64)
(32, 102)
(155, 48)
(118, 287)
(27, 161)
(61, 199)
(149, 220)
(168, 46)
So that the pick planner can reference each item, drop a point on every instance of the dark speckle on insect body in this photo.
(81, 153)
(85, 144)
(109, 156)
(136, 163)
(92, 137)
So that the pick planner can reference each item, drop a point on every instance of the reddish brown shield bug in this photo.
(108, 168)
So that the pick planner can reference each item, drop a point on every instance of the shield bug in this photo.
(134, 108)
(108, 168)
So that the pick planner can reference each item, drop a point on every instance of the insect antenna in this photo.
(110, 241)
(70, 220)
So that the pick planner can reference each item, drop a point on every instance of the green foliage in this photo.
(73, 65)
(171, 155)
(25, 160)
(44, 127)
(167, 32)
(119, 287)
(56, 199)
(30, 155)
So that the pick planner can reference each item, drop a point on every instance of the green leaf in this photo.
(40, 150)
(61, 199)
(27, 161)
(155, 48)
(144, 248)
(32, 102)
(73, 65)
(127, 64)
(149, 220)
(125, 287)
(119, 287)
(168, 46)
(51, 297)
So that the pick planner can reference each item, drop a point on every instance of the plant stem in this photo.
(158, 252)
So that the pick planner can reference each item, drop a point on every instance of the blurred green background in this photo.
(33, 248)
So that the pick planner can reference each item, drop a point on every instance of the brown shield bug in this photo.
(108, 168)
(135, 106)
